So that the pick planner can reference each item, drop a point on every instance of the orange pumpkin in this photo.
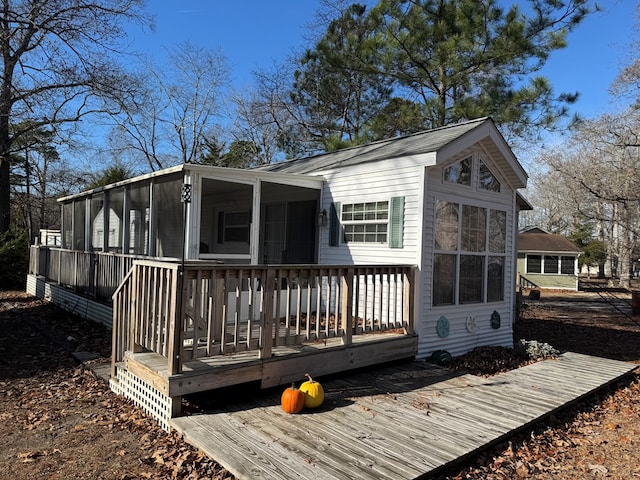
(292, 399)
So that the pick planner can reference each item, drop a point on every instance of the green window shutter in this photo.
(396, 224)
(334, 225)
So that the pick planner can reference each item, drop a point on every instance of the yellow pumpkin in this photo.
(292, 399)
(313, 393)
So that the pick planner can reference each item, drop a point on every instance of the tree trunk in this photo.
(5, 188)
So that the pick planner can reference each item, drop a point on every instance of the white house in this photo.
(445, 200)
(413, 238)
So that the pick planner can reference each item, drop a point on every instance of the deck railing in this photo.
(207, 310)
(95, 274)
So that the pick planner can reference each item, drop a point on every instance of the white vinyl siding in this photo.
(499, 267)
(374, 182)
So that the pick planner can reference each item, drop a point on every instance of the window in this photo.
(534, 263)
(462, 173)
(567, 265)
(444, 279)
(446, 226)
(470, 251)
(234, 226)
(486, 179)
(497, 231)
(459, 172)
(365, 222)
(471, 278)
(495, 279)
(474, 228)
(550, 264)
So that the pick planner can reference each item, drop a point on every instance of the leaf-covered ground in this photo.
(59, 421)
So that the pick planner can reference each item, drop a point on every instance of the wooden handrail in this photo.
(219, 309)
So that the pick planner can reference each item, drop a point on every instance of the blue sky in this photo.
(259, 33)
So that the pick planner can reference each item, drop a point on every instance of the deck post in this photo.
(347, 306)
(266, 340)
(135, 314)
(409, 300)
(174, 353)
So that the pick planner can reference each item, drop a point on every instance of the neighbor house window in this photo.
(534, 263)
(567, 265)
(470, 250)
(234, 226)
(550, 264)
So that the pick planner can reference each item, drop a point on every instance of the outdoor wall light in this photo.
(322, 218)
(185, 193)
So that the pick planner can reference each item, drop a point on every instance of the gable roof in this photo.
(434, 146)
(536, 240)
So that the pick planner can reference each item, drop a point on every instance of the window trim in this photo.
(393, 223)
(543, 263)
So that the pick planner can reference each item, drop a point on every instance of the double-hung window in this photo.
(379, 222)
(470, 251)
(365, 222)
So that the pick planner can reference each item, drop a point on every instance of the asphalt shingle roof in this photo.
(545, 242)
(415, 144)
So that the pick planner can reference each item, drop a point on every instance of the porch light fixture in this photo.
(185, 193)
(322, 218)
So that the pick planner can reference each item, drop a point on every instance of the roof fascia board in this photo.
(482, 131)
(420, 159)
(223, 173)
(111, 186)
(249, 176)
(559, 252)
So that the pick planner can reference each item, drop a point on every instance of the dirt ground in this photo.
(59, 421)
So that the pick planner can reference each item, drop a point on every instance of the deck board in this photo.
(398, 422)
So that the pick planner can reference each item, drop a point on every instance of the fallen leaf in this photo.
(598, 469)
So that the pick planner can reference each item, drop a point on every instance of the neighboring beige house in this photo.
(546, 260)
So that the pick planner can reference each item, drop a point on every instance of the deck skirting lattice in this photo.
(148, 398)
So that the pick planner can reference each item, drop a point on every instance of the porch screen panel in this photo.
(96, 222)
(168, 211)
(139, 209)
(274, 233)
(115, 220)
(67, 226)
(79, 215)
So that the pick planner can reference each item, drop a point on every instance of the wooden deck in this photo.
(321, 357)
(401, 422)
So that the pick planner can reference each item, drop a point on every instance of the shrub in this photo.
(534, 349)
(14, 259)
